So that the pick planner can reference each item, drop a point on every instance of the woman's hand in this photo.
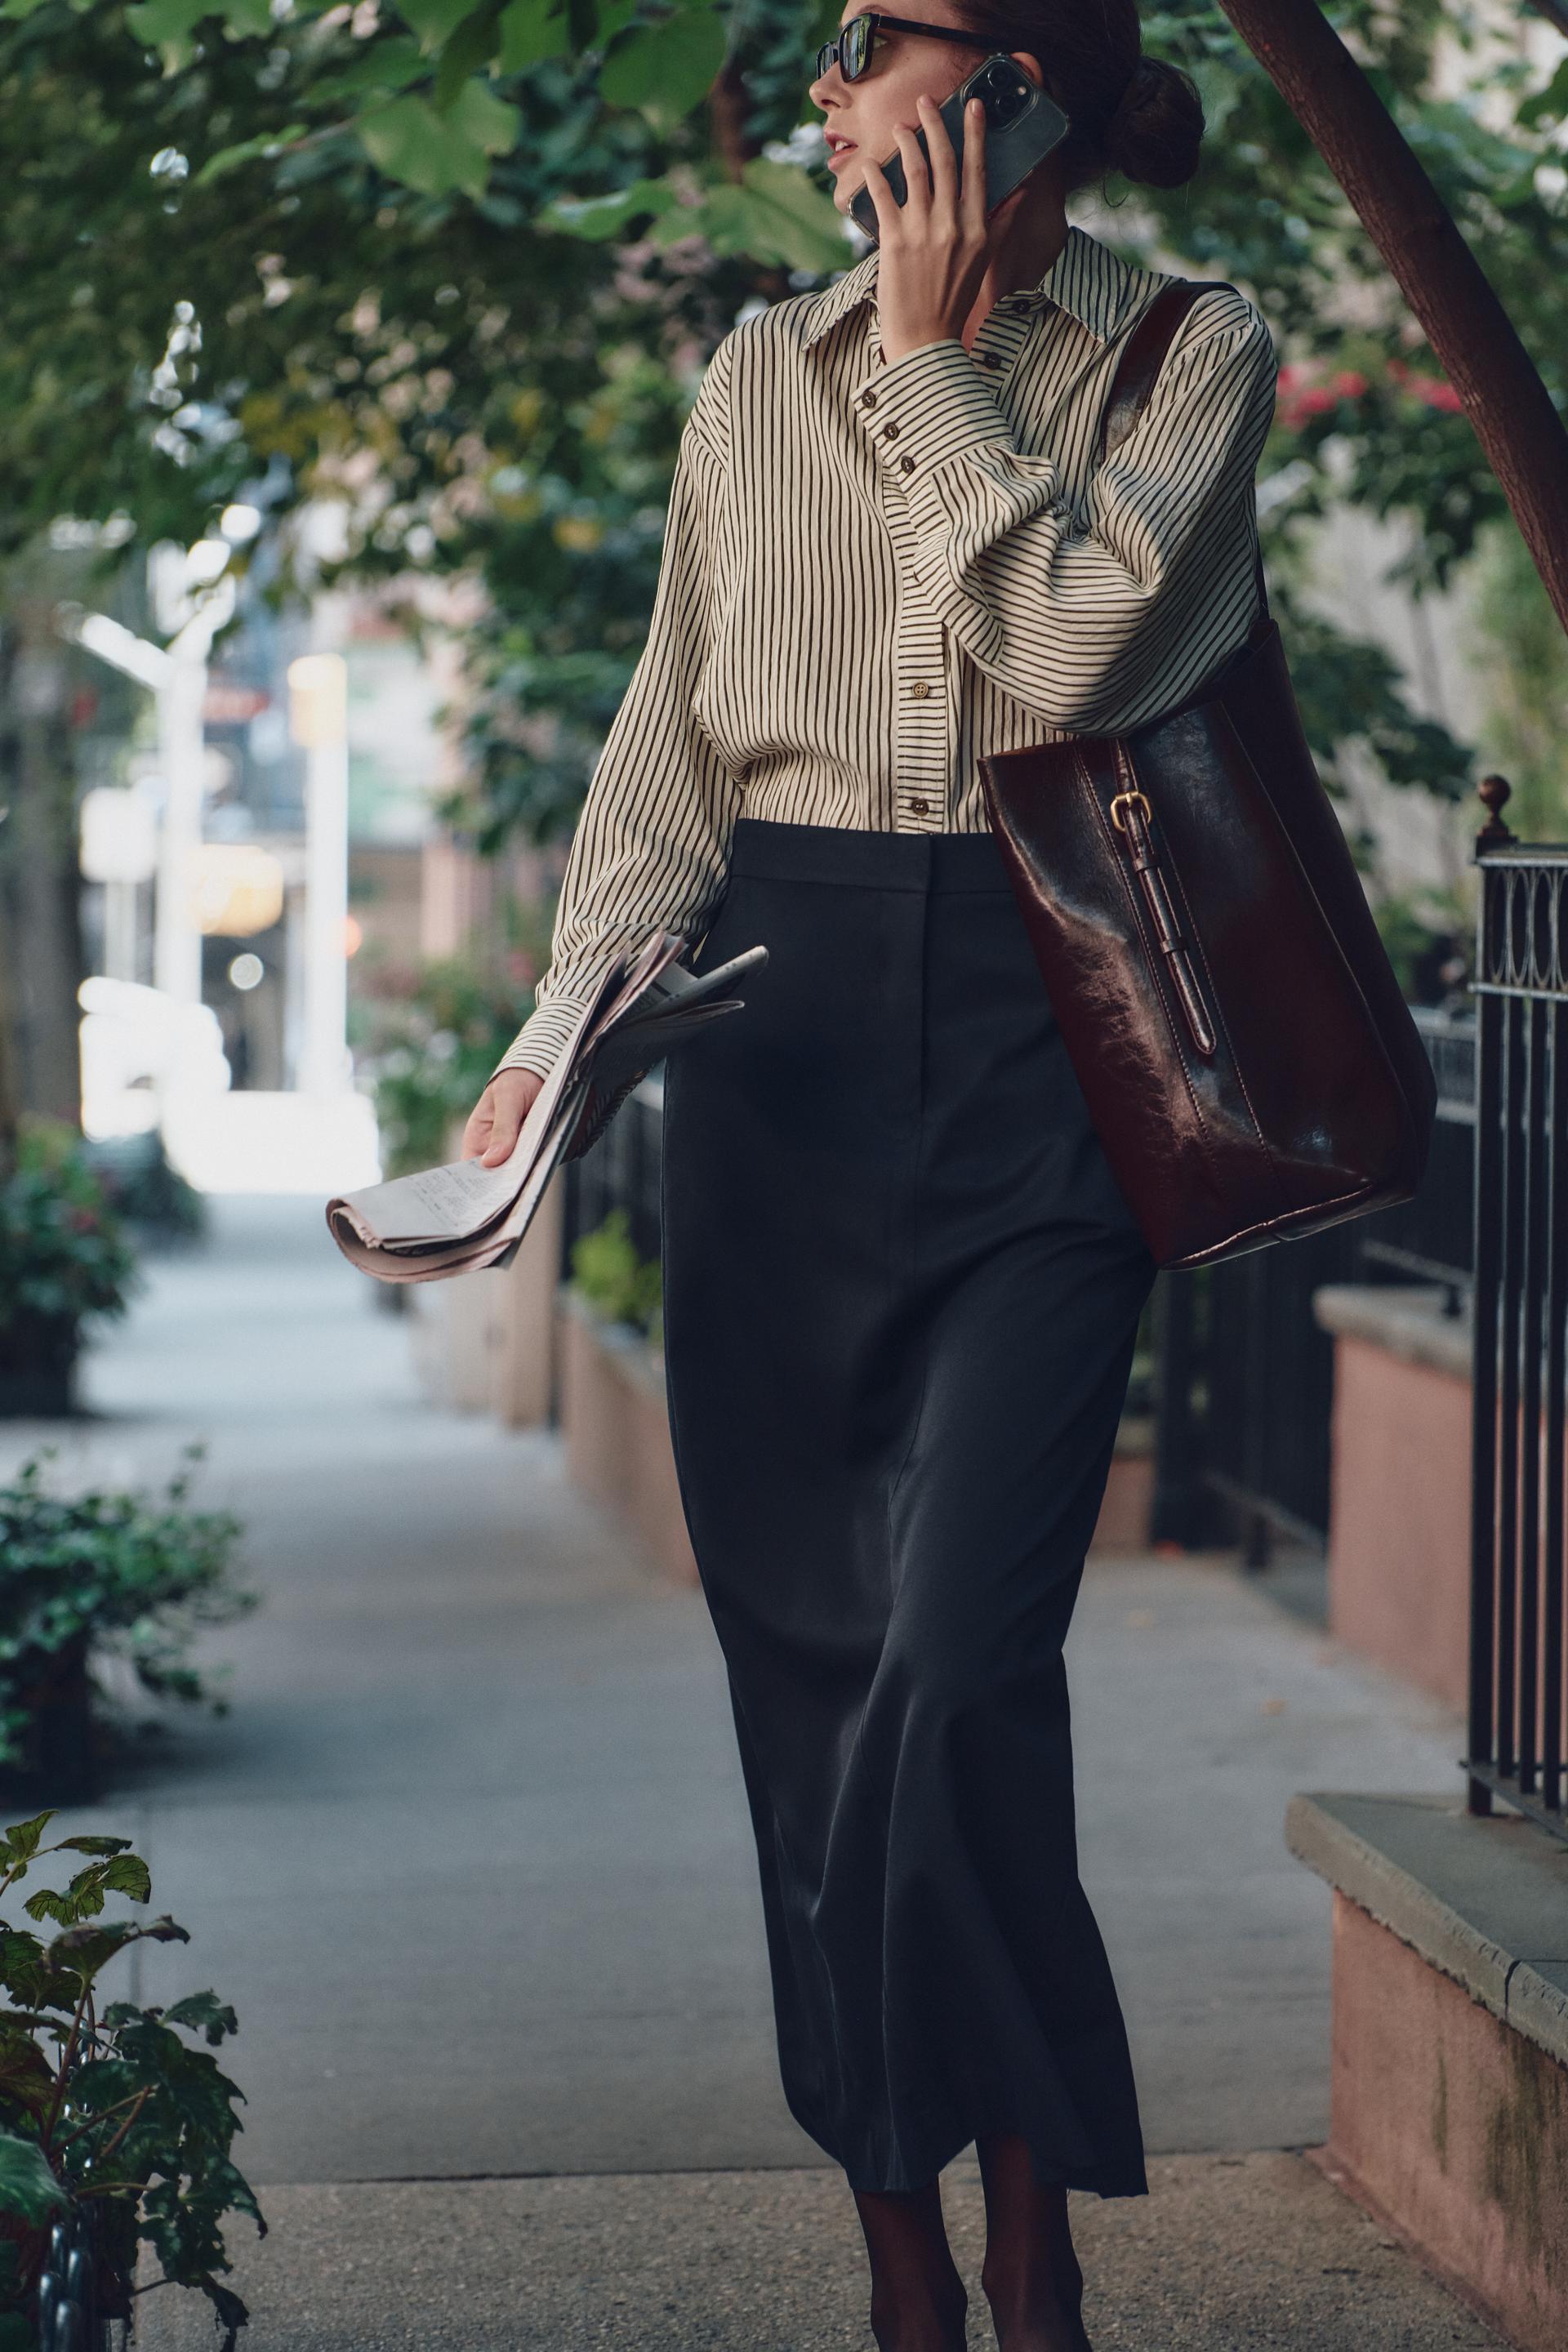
(494, 1122)
(933, 249)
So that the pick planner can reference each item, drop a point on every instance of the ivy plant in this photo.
(103, 1574)
(119, 2107)
(64, 1252)
(609, 1275)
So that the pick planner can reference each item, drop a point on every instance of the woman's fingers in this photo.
(916, 178)
(882, 204)
(971, 196)
(496, 1120)
(944, 161)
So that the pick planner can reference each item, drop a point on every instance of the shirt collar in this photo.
(1086, 280)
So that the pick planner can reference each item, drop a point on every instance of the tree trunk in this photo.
(728, 105)
(1525, 440)
(10, 1090)
(40, 936)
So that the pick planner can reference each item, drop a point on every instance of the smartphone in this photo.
(1022, 124)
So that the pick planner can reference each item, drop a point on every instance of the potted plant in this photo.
(431, 1037)
(95, 1577)
(64, 1258)
(609, 1276)
(116, 2124)
(147, 1192)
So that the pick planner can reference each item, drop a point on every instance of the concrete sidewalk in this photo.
(1224, 2254)
(471, 1859)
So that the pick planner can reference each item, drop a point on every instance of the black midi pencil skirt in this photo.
(901, 1291)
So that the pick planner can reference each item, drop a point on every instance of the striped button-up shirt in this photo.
(874, 572)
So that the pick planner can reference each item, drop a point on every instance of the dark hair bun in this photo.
(1156, 131)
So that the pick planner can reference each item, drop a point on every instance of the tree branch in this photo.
(1498, 386)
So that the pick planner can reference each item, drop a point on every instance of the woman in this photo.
(901, 1285)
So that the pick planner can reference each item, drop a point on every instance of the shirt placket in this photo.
(926, 661)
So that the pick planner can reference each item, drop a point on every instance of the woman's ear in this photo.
(1031, 66)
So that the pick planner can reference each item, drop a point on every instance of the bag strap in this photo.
(1143, 355)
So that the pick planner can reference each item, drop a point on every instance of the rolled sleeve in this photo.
(650, 847)
(540, 1040)
(1083, 618)
(929, 406)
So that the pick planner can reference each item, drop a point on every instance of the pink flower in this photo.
(1431, 391)
(1302, 392)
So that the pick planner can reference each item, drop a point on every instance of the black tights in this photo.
(1031, 2275)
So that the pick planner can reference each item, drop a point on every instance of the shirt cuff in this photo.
(927, 408)
(542, 1037)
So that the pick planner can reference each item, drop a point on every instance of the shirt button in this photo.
(906, 465)
(920, 808)
(920, 686)
(868, 399)
(890, 430)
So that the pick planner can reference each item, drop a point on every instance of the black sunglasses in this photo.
(852, 50)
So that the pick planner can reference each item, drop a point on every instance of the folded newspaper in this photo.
(449, 1221)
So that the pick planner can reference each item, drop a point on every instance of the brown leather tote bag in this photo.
(1247, 1057)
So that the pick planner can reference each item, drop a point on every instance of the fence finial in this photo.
(1495, 790)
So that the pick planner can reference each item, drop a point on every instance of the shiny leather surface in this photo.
(1143, 357)
(1249, 1060)
(1317, 1101)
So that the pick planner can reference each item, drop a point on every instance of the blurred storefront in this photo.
(255, 839)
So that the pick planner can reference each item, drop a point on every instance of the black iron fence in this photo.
(621, 1172)
(1238, 1374)
(1242, 1375)
(1518, 1666)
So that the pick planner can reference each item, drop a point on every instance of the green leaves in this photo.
(1550, 105)
(435, 21)
(608, 1274)
(263, 149)
(26, 2080)
(86, 1948)
(64, 1251)
(168, 25)
(773, 213)
(28, 2189)
(478, 114)
(531, 31)
(204, 2014)
(20, 1841)
(438, 153)
(83, 1575)
(1350, 691)
(115, 2103)
(442, 139)
(122, 1873)
(599, 218)
(666, 68)
(25, 1975)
